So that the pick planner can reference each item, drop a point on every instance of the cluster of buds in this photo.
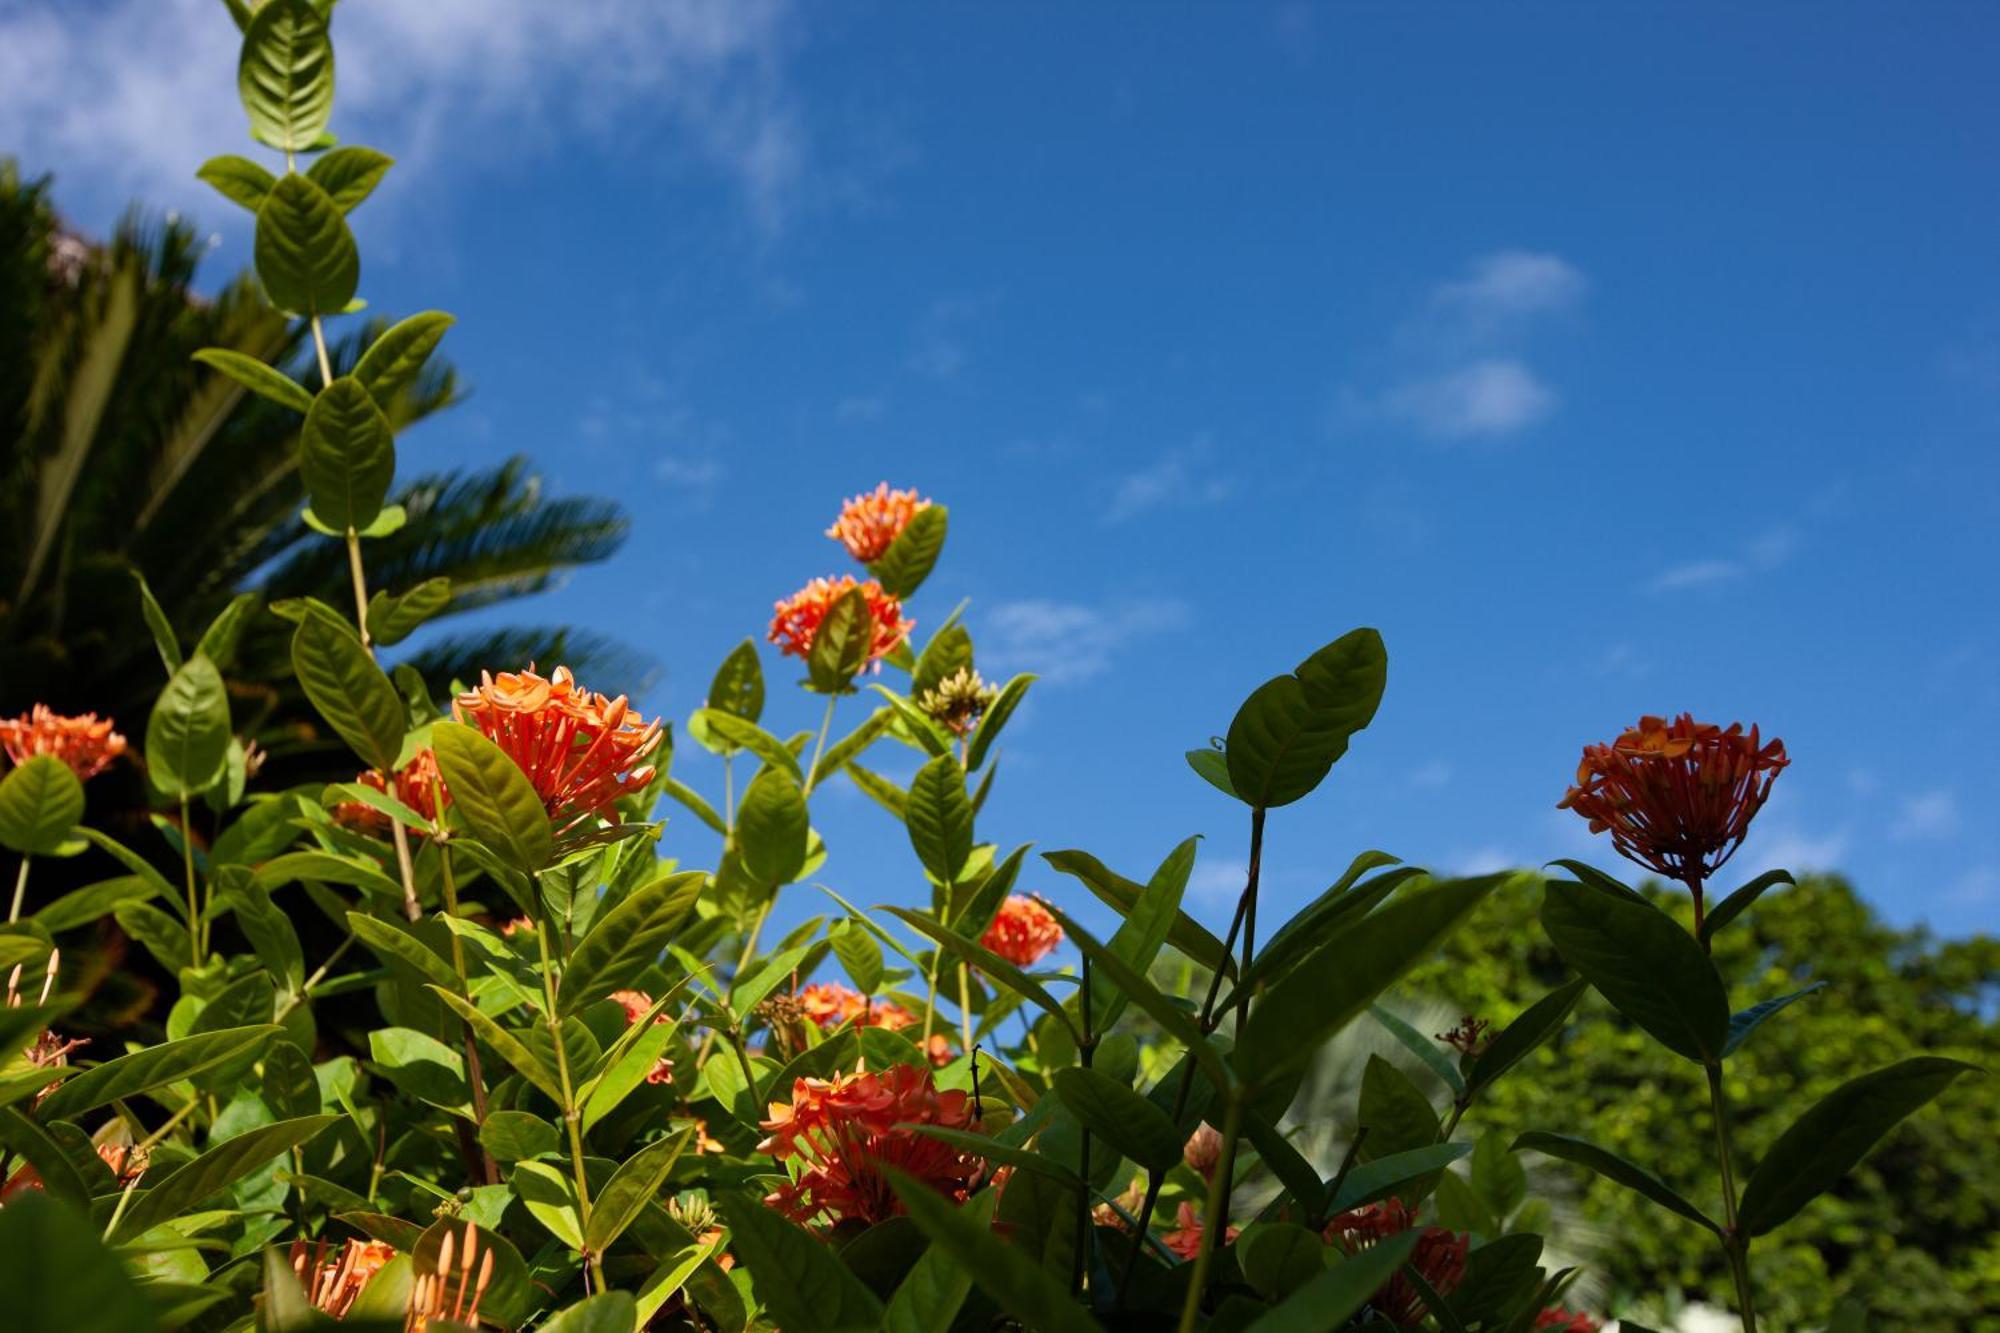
(958, 701)
(87, 743)
(838, 1134)
(1470, 1038)
(1023, 931)
(582, 751)
(334, 1278)
(1184, 1239)
(1440, 1256)
(637, 1004)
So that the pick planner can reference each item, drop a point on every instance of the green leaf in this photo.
(269, 930)
(1396, 1114)
(393, 943)
(494, 797)
(628, 939)
(606, 1312)
(1497, 1175)
(1122, 895)
(58, 1275)
(738, 687)
(909, 560)
(1121, 1117)
(1500, 1278)
(238, 180)
(723, 731)
(40, 802)
(1005, 1272)
(305, 254)
(1212, 766)
(842, 645)
(350, 691)
(796, 1275)
(773, 827)
(1731, 907)
(852, 744)
(931, 1293)
(1417, 1044)
(1384, 1176)
(1277, 1258)
(994, 719)
(508, 1046)
(1829, 1140)
(994, 966)
(219, 640)
(289, 1086)
(421, 1066)
(631, 1187)
(92, 902)
(393, 360)
(550, 1195)
(1745, 1022)
(1327, 1300)
(859, 954)
(347, 457)
(1640, 960)
(164, 639)
(187, 736)
(214, 1171)
(285, 75)
(161, 935)
(948, 652)
(1145, 928)
(1535, 1025)
(1178, 1022)
(940, 818)
(263, 380)
(1614, 1168)
(1340, 979)
(393, 618)
(1292, 728)
(22, 1138)
(514, 1136)
(349, 175)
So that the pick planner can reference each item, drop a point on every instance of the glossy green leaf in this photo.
(628, 939)
(842, 645)
(143, 1070)
(1372, 1181)
(550, 1195)
(859, 954)
(58, 1274)
(394, 360)
(738, 687)
(1277, 1258)
(631, 1187)
(994, 720)
(350, 691)
(392, 942)
(1731, 907)
(932, 1292)
(40, 802)
(1292, 728)
(1212, 766)
(940, 819)
(873, 727)
(514, 1136)
(1019, 1285)
(24, 1140)
(219, 641)
(773, 827)
(1123, 895)
(1424, 1048)
(606, 1312)
(725, 731)
(263, 380)
(994, 966)
(1614, 1168)
(305, 255)
(1121, 1117)
(394, 617)
(1179, 1023)
(165, 640)
(349, 175)
(1829, 1140)
(187, 735)
(1497, 1175)
(1515, 1042)
(506, 1044)
(494, 797)
(795, 1274)
(158, 933)
(1500, 1278)
(909, 560)
(1640, 959)
(1747, 1021)
(1394, 1111)
(213, 1171)
(238, 180)
(285, 75)
(1326, 1301)
(347, 457)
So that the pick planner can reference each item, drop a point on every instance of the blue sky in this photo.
(1610, 360)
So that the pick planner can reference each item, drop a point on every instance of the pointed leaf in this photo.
(507, 1045)
(1743, 1023)
(628, 939)
(187, 736)
(264, 381)
(349, 175)
(1292, 728)
(1731, 907)
(1641, 960)
(909, 560)
(1327, 1300)
(631, 1187)
(238, 180)
(940, 819)
(393, 618)
(305, 254)
(40, 802)
(1615, 1168)
(1121, 1117)
(773, 827)
(994, 719)
(214, 1171)
(494, 797)
(1016, 1282)
(394, 359)
(1535, 1025)
(285, 75)
(796, 1275)
(1122, 895)
(350, 691)
(842, 645)
(347, 457)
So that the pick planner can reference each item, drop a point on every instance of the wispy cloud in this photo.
(1178, 479)
(1926, 816)
(1798, 850)
(1217, 882)
(1068, 642)
(130, 96)
(1767, 551)
(1457, 368)
(938, 350)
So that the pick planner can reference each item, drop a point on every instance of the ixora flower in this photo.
(1023, 931)
(637, 1004)
(418, 785)
(48, 1050)
(449, 1293)
(1185, 1238)
(1676, 797)
(1558, 1320)
(582, 751)
(1439, 1256)
(870, 523)
(87, 743)
(334, 1278)
(830, 1004)
(839, 1133)
(1202, 1150)
(1470, 1038)
(958, 701)
(797, 619)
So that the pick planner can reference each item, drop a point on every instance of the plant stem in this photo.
(572, 1117)
(20, 890)
(1084, 1050)
(1214, 1215)
(489, 1168)
(194, 903)
(1243, 986)
(1734, 1245)
(319, 974)
(965, 1009)
(819, 746)
(397, 833)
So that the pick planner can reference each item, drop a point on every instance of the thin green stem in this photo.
(297, 998)
(819, 746)
(572, 1117)
(194, 902)
(20, 890)
(1735, 1246)
(489, 1168)
(1085, 1049)
(1214, 1216)
(964, 1008)
(1243, 986)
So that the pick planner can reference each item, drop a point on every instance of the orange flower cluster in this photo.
(582, 751)
(798, 617)
(1559, 1320)
(841, 1132)
(87, 743)
(1023, 931)
(830, 1004)
(869, 524)
(1185, 1239)
(637, 1004)
(334, 1279)
(1439, 1256)
(418, 785)
(1677, 797)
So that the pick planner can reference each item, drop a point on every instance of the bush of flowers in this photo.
(587, 1090)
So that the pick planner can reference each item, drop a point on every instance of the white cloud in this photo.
(1431, 776)
(1067, 642)
(1486, 861)
(1217, 882)
(128, 97)
(1697, 574)
(1179, 478)
(1485, 398)
(1505, 289)
(699, 475)
(1799, 851)
(1926, 816)
(1765, 552)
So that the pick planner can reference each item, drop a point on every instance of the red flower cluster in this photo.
(87, 743)
(798, 617)
(418, 785)
(1023, 931)
(1185, 1239)
(637, 1004)
(335, 1278)
(1439, 1256)
(1676, 797)
(869, 524)
(841, 1132)
(1559, 1320)
(582, 751)
(830, 1004)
